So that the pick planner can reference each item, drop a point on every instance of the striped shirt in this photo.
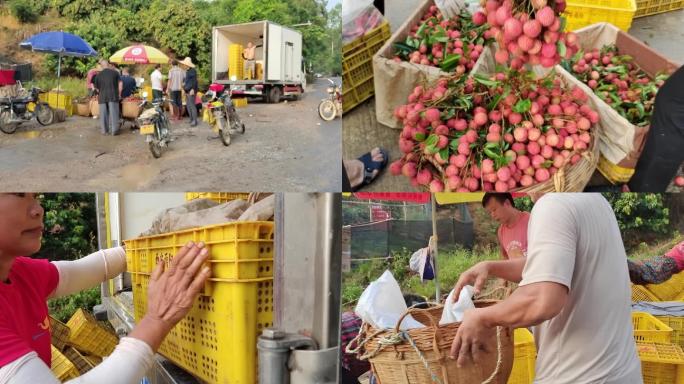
(176, 79)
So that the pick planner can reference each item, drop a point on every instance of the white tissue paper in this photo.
(453, 312)
(382, 304)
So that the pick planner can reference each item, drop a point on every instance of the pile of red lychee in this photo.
(453, 44)
(492, 133)
(528, 31)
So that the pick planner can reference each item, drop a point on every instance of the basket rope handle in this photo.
(413, 309)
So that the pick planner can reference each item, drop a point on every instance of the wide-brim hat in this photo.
(187, 62)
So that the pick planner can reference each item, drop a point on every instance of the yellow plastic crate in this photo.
(219, 197)
(240, 103)
(524, 356)
(677, 325)
(236, 64)
(357, 66)
(80, 362)
(59, 333)
(669, 290)
(89, 336)
(648, 329)
(641, 293)
(580, 13)
(61, 102)
(652, 7)
(217, 340)
(661, 363)
(62, 367)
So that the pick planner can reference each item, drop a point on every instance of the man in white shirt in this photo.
(574, 289)
(156, 79)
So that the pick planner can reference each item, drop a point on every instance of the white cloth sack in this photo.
(453, 312)
(382, 304)
(422, 257)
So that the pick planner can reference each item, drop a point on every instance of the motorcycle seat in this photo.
(148, 114)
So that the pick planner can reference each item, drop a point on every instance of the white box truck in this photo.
(278, 53)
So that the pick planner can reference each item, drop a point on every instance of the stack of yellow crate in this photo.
(260, 70)
(236, 64)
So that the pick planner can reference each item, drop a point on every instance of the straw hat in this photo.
(187, 62)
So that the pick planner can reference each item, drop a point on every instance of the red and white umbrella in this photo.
(139, 54)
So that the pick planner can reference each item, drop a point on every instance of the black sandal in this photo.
(369, 166)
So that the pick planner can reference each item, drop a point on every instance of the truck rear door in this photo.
(275, 53)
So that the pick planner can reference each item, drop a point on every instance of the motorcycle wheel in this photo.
(224, 132)
(327, 110)
(44, 114)
(155, 148)
(8, 128)
(242, 128)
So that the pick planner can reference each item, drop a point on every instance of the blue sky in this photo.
(333, 3)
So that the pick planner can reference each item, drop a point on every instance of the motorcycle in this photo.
(331, 107)
(14, 111)
(221, 114)
(154, 125)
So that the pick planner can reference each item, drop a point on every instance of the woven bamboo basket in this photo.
(83, 109)
(421, 357)
(94, 107)
(572, 178)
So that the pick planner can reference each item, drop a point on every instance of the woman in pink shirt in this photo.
(26, 284)
(512, 232)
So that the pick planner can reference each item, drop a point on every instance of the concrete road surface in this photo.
(286, 148)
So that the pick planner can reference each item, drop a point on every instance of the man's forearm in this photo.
(510, 270)
(527, 306)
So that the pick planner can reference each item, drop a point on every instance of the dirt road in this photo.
(286, 148)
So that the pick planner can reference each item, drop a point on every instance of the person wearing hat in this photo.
(190, 87)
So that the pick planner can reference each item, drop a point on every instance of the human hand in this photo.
(171, 293)
(475, 276)
(470, 341)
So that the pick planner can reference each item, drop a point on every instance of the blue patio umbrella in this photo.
(61, 44)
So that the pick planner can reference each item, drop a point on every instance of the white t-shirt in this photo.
(156, 78)
(574, 240)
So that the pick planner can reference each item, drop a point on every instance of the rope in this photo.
(356, 350)
(435, 378)
(488, 293)
(499, 357)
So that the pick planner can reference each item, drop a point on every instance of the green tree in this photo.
(81, 9)
(178, 26)
(64, 307)
(335, 36)
(23, 11)
(70, 226)
(640, 215)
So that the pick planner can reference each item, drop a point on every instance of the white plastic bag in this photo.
(382, 304)
(451, 8)
(453, 312)
(358, 18)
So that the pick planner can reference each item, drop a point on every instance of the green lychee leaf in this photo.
(450, 62)
(522, 106)
(432, 140)
(444, 153)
